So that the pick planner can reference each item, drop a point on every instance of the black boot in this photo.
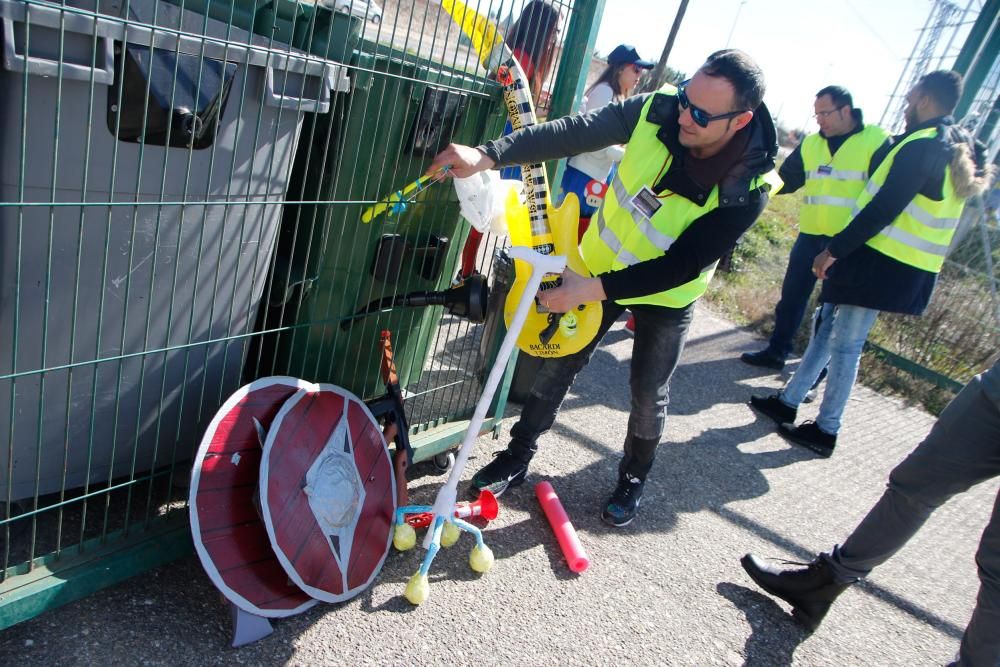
(623, 504)
(810, 589)
(773, 407)
(810, 435)
(763, 359)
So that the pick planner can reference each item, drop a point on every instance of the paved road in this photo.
(666, 590)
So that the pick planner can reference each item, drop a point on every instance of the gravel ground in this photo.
(667, 589)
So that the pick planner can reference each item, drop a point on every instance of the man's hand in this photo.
(464, 161)
(822, 264)
(575, 290)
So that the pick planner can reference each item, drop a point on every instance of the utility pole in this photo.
(655, 80)
(735, 21)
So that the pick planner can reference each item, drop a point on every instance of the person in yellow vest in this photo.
(831, 168)
(887, 258)
(689, 185)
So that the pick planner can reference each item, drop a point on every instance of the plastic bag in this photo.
(482, 200)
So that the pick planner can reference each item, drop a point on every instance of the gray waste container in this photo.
(145, 157)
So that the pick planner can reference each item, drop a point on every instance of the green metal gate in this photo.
(181, 190)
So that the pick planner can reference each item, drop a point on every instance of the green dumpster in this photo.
(401, 110)
(305, 25)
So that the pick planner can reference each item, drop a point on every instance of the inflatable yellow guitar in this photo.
(537, 224)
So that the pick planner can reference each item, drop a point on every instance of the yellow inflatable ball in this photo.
(404, 537)
(481, 559)
(418, 589)
(450, 534)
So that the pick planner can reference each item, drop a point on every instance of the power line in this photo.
(861, 17)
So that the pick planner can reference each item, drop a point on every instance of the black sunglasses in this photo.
(701, 117)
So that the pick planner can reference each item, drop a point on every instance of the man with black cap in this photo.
(689, 185)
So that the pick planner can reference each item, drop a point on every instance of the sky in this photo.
(802, 45)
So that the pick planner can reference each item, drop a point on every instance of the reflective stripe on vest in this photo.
(921, 234)
(922, 216)
(646, 228)
(622, 236)
(833, 182)
(839, 175)
(827, 200)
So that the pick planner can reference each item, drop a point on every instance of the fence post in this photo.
(581, 36)
(975, 67)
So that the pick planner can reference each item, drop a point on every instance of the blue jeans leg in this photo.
(839, 336)
(796, 288)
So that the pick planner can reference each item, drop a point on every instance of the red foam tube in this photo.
(576, 557)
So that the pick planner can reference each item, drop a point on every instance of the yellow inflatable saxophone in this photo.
(535, 223)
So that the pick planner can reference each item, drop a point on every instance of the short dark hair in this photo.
(742, 72)
(944, 86)
(839, 95)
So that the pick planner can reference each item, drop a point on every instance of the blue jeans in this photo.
(796, 289)
(839, 335)
(962, 450)
(659, 340)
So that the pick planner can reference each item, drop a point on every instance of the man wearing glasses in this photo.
(888, 256)
(690, 183)
(833, 166)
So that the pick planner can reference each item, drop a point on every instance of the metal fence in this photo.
(957, 336)
(183, 184)
(959, 333)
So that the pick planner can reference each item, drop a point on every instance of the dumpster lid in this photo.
(187, 32)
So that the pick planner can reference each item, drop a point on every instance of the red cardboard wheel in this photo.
(229, 534)
(327, 493)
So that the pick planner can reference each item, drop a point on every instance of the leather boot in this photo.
(810, 589)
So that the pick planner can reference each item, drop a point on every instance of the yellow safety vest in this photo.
(921, 235)
(833, 182)
(623, 236)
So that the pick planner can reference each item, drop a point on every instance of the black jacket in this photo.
(708, 237)
(863, 276)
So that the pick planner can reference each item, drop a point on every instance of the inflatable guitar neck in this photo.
(537, 223)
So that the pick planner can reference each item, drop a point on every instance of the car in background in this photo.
(366, 9)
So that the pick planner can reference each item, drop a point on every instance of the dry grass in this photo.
(748, 292)
(954, 338)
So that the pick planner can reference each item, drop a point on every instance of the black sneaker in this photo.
(810, 588)
(811, 436)
(624, 502)
(773, 407)
(503, 472)
(763, 359)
